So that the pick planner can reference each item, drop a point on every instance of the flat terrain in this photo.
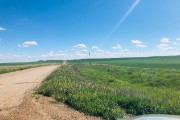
(107, 88)
(18, 103)
(12, 67)
(36, 107)
(161, 62)
(118, 88)
(14, 85)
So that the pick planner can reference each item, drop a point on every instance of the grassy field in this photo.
(113, 89)
(163, 62)
(11, 67)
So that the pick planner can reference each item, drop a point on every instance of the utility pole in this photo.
(89, 58)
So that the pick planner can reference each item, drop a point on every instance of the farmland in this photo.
(11, 67)
(161, 62)
(117, 88)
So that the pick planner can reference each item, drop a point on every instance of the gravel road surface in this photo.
(14, 85)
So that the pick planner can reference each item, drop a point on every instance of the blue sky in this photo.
(69, 29)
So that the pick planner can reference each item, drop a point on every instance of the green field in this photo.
(163, 62)
(117, 88)
(12, 67)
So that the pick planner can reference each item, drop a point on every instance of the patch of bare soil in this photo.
(37, 107)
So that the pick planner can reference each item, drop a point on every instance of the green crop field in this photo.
(118, 88)
(165, 62)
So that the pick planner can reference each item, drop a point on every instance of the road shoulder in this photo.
(38, 107)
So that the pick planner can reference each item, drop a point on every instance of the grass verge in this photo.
(7, 69)
(113, 92)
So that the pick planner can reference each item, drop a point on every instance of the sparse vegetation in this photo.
(11, 67)
(7, 69)
(114, 91)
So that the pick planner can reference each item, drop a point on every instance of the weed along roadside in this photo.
(113, 92)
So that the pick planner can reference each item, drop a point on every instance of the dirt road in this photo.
(18, 103)
(14, 85)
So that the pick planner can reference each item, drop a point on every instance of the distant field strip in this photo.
(113, 91)
(13, 68)
(164, 62)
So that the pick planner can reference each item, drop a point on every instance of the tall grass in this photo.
(115, 92)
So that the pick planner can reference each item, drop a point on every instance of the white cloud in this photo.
(138, 43)
(94, 47)
(117, 46)
(99, 51)
(58, 56)
(141, 46)
(53, 55)
(125, 50)
(165, 40)
(84, 50)
(2, 29)
(79, 46)
(174, 43)
(84, 55)
(28, 44)
(178, 39)
(162, 45)
(4, 58)
(165, 47)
